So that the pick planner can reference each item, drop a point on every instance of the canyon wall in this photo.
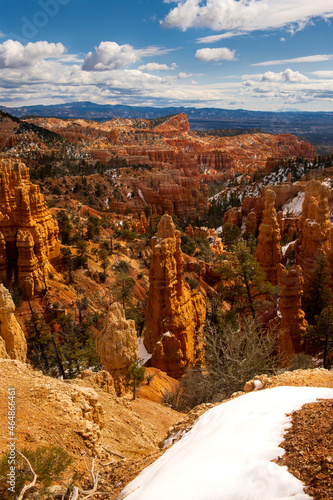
(28, 232)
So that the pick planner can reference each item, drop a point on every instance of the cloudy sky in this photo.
(250, 54)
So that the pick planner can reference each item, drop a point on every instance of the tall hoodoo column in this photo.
(294, 323)
(174, 314)
(269, 249)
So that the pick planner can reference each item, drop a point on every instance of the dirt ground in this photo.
(128, 432)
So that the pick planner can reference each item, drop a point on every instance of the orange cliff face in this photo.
(174, 314)
(173, 143)
(28, 232)
(173, 160)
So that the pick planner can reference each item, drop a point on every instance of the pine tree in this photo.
(317, 293)
(135, 375)
(123, 288)
(321, 333)
(249, 289)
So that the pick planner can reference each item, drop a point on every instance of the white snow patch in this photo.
(294, 207)
(174, 437)
(257, 385)
(228, 453)
(167, 334)
(141, 196)
(285, 247)
(143, 353)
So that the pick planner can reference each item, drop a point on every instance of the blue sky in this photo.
(250, 54)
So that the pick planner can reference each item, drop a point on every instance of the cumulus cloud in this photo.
(304, 59)
(157, 67)
(284, 76)
(218, 54)
(246, 15)
(111, 56)
(15, 55)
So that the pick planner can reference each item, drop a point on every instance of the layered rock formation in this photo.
(174, 314)
(315, 227)
(174, 125)
(12, 340)
(290, 304)
(268, 252)
(28, 232)
(117, 344)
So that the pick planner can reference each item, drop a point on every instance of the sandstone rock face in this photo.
(189, 231)
(174, 314)
(314, 226)
(28, 232)
(12, 340)
(268, 252)
(175, 125)
(233, 216)
(290, 305)
(117, 344)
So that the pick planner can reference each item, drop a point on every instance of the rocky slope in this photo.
(83, 416)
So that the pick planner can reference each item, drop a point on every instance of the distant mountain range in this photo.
(316, 127)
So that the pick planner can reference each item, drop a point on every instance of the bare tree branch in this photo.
(33, 482)
(114, 453)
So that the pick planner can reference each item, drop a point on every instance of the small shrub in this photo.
(301, 361)
(48, 462)
(192, 282)
(16, 296)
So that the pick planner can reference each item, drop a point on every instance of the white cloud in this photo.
(2, 34)
(284, 76)
(282, 39)
(15, 55)
(323, 74)
(157, 67)
(218, 54)
(217, 38)
(305, 59)
(246, 15)
(111, 56)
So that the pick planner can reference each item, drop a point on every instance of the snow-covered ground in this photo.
(227, 454)
(294, 207)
